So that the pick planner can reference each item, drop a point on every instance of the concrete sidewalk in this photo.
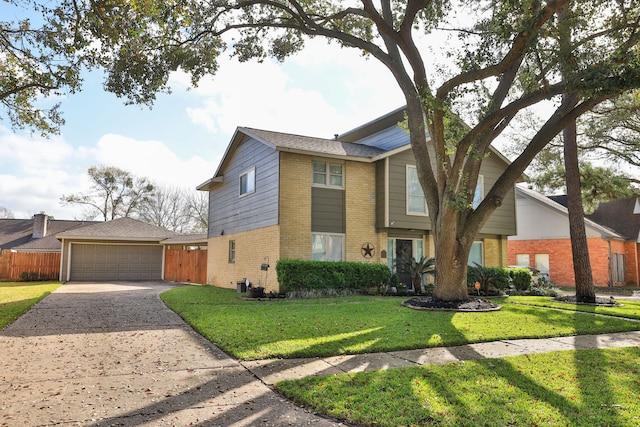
(272, 371)
(115, 355)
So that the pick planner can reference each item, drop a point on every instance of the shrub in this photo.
(296, 275)
(488, 277)
(520, 277)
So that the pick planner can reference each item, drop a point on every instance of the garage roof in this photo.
(120, 229)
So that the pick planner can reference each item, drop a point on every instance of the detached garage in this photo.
(122, 249)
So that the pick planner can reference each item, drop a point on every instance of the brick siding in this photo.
(561, 262)
(252, 248)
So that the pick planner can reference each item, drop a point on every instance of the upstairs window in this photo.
(479, 193)
(328, 174)
(416, 202)
(248, 182)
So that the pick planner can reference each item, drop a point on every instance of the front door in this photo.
(404, 249)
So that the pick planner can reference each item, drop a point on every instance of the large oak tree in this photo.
(504, 58)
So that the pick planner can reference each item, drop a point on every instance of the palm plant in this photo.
(416, 269)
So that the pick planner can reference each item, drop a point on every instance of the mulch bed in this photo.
(599, 301)
(472, 304)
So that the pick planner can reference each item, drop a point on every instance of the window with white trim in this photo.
(478, 195)
(416, 202)
(476, 254)
(522, 260)
(232, 251)
(248, 182)
(327, 247)
(327, 174)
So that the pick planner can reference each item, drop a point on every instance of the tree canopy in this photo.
(38, 59)
(502, 58)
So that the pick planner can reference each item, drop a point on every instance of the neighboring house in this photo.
(353, 198)
(623, 216)
(121, 249)
(543, 242)
(29, 246)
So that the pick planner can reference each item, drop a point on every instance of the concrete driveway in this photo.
(115, 355)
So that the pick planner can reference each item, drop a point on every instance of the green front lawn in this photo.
(17, 297)
(569, 388)
(629, 309)
(349, 325)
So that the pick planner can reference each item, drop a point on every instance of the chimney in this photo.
(40, 221)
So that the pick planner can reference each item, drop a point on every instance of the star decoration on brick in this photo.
(368, 250)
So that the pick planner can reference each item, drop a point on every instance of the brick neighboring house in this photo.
(543, 242)
(623, 216)
(34, 236)
(355, 197)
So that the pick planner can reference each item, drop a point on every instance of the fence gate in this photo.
(182, 265)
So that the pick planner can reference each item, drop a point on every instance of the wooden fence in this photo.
(185, 266)
(15, 266)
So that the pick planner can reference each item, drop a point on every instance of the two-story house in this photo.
(355, 197)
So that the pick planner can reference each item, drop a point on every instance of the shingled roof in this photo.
(119, 229)
(17, 234)
(311, 144)
(623, 216)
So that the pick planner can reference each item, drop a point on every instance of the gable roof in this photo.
(348, 145)
(548, 203)
(310, 145)
(120, 229)
(622, 216)
(17, 234)
(281, 141)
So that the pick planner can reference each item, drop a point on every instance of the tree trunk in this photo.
(585, 291)
(451, 264)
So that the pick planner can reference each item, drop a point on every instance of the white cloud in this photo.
(152, 159)
(35, 172)
(321, 91)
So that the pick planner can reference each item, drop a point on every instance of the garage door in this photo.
(116, 262)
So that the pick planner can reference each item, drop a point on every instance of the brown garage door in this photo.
(115, 262)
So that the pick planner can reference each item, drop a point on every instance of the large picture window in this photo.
(248, 182)
(327, 247)
(416, 202)
(327, 174)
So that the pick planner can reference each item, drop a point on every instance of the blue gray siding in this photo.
(230, 213)
(387, 139)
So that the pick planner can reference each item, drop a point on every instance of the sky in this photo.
(322, 91)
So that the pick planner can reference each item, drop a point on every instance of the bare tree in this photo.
(5, 213)
(114, 193)
(199, 210)
(176, 208)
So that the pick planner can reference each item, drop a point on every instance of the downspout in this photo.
(610, 263)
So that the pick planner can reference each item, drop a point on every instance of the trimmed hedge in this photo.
(295, 275)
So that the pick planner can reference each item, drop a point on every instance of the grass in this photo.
(17, 297)
(569, 388)
(325, 327)
(629, 309)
